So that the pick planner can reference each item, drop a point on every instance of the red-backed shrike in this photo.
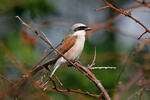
(71, 48)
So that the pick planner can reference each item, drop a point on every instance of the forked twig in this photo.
(91, 67)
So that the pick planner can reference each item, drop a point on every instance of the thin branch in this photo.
(93, 62)
(102, 8)
(128, 15)
(92, 68)
(4, 78)
(50, 88)
(142, 35)
(61, 84)
(45, 51)
(72, 90)
(10, 89)
(45, 57)
(86, 72)
(112, 19)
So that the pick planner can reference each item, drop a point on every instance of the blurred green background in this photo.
(54, 18)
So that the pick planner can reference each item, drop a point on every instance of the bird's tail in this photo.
(55, 67)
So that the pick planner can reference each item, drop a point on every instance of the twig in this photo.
(93, 62)
(61, 84)
(128, 15)
(142, 35)
(72, 90)
(11, 82)
(102, 8)
(45, 57)
(31, 73)
(86, 72)
(10, 89)
(45, 52)
(92, 68)
(81, 68)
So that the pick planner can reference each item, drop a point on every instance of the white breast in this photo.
(76, 50)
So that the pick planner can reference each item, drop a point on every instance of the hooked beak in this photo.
(88, 29)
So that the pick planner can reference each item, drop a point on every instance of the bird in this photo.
(71, 48)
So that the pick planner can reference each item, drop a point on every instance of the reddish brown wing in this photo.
(68, 43)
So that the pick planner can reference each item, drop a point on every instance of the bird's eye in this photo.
(80, 28)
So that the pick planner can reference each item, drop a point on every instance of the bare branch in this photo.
(93, 62)
(142, 35)
(72, 90)
(45, 57)
(92, 68)
(4, 78)
(102, 8)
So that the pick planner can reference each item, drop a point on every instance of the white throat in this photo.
(80, 33)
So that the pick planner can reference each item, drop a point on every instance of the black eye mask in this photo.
(80, 28)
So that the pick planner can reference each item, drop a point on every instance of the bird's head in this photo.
(80, 28)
